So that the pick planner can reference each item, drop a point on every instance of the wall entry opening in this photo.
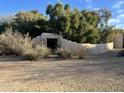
(52, 43)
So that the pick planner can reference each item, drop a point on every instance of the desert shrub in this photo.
(83, 51)
(16, 43)
(64, 53)
(36, 53)
(5, 50)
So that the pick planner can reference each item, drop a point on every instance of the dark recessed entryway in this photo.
(52, 43)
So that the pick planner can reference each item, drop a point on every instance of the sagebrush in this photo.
(16, 43)
(36, 53)
(83, 52)
(64, 53)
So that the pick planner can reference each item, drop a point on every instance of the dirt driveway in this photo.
(103, 72)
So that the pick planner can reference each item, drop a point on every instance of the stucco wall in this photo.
(91, 48)
(99, 48)
(73, 46)
(37, 40)
(42, 39)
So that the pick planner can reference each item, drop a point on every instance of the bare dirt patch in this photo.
(93, 74)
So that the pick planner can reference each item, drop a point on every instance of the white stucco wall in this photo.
(73, 46)
(37, 40)
(42, 39)
(92, 48)
(49, 35)
(99, 48)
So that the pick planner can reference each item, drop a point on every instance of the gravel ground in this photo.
(103, 72)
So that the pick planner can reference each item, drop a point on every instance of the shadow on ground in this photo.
(121, 53)
(11, 58)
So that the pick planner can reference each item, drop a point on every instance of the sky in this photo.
(10, 7)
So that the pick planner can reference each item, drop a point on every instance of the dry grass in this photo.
(15, 39)
(62, 75)
(83, 52)
(36, 53)
(64, 53)
(16, 43)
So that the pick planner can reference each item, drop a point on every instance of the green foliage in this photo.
(84, 27)
(107, 35)
(116, 31)
(6, 22)
(31, 21)
(105, 15)
(67, 9)
(57, 18)
(91, 35)
(74, 25)
(80, 26)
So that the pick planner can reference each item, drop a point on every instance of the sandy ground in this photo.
(103, 72)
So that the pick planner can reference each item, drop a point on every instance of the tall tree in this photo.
(67, 9)
(73, 24)
(31, 22)
(105, 15)
(58, 21)
(6, 22)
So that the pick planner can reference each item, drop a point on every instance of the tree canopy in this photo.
(30, 21)
(80, 26)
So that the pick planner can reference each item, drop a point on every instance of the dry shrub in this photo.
(5, 50)
(83, 51)
(36, 53)
(64, 53)
(21, 45)
(15, 41)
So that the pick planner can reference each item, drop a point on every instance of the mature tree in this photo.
(6, 22)
(88, 31)
(59, 21)
(107, 36)
(49, 10)
(67, 9)
(73, 24)
(80, 26)
(105, 16)
(31, 22)
(92, 17)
